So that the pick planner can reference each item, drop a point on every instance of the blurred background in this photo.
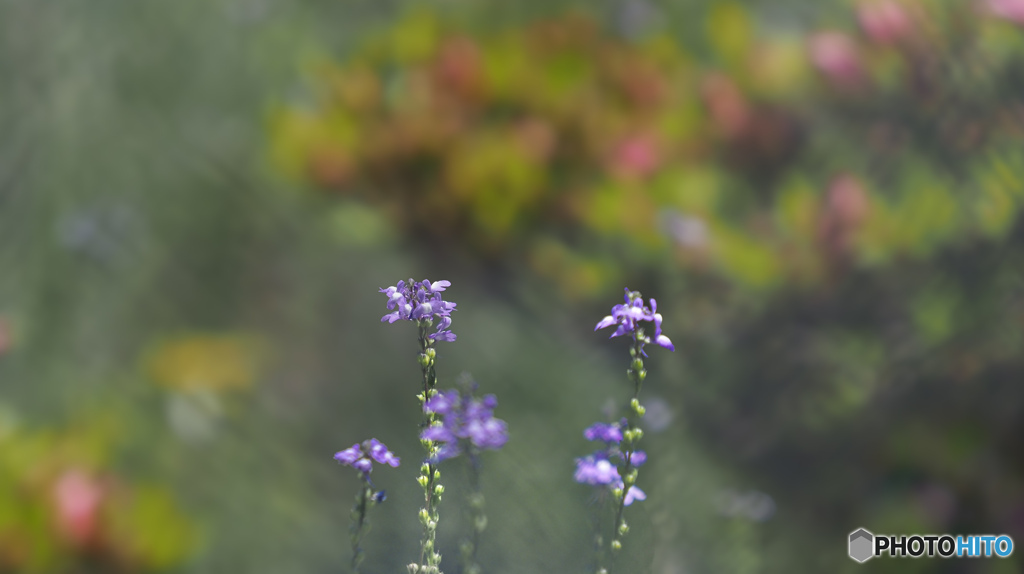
(200, 199)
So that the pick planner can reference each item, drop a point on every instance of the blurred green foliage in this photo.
(199, 199)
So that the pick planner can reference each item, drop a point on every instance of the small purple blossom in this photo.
(596, 469)
(465, 420)
(628, 316)
(634, 493)
(421, 301)
(606, 432)
(638, 458)
(381, 454)
(359, 456)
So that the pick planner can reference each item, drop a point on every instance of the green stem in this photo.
(477, 516)
(631, 437)
(429, 478)
(360, 523)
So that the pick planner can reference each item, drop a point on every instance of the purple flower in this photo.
(466, 420)
(634, 493)
(349, 455)
(359, 456)
(421, 301)
(381, 454)
(596, 469)
(606, 432)
(628, 316)
(638, 458)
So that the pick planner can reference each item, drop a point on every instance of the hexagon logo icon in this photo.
(861, 545)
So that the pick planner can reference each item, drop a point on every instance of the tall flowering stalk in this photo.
(361, 457)
(621, 440)
(421, 302)
(468, 426)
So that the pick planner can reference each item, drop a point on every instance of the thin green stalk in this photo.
(429, 479)
(630, 439)
(360, 523)
(477, 516)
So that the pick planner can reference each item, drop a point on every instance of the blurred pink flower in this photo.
(1012, 10)
(846, 208)
(836, 56)
(884, 21)
(77, 498)
(636, 156)
(726, 104)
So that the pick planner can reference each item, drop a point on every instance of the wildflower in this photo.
(78, 498)
(360, 457)
(838, 57)
(628, 316)
(466, 420)
(421, 302)
(884, 21)
(607, 432)
(634, 493)
(597, 470)
(1012, 10)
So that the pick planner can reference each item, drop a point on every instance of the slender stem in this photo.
(631, 437)
(360, 522)
(429, 478)
(477, 516)
(597, 518)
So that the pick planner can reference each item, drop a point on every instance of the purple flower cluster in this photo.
(359, 456)
(465, 419)
(597, 469)
(421, 301)
(628, 315)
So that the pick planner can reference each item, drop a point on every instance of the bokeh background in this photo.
(200, 199)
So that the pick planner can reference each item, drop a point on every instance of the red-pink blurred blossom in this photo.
(636, 156)
(836, 56)
(726, 104)
(1012, 10)
(77, 499)
(884, 21)
(846, 208)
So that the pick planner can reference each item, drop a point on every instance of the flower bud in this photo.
(637, 365)
(432, 354)
(616, 545)
(623, 529)
(480, 523)
(423, 481)
(425, 469)
(413, 568)
(424, 360)
(437, 475)
(439, 489)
